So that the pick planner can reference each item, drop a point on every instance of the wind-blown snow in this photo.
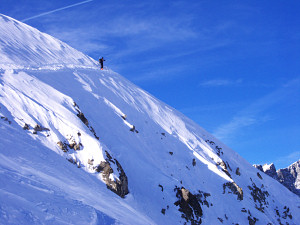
(44, 81)
(24, 46)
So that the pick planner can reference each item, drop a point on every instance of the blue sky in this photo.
(233, 67)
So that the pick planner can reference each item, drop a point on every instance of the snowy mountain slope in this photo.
(37, 186)
(23, 46)
(162, 167)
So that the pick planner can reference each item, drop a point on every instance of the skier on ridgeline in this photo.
(101, 60)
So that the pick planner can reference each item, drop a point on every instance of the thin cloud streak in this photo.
(56, 10)
(249, 116)
(220, 82)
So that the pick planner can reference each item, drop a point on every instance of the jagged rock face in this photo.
(259, 167)
(289, 177)
(118, 186)
(270, 170)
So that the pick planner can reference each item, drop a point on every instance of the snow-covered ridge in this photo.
(22, 46)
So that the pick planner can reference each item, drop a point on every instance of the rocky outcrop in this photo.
(224, 166)
(5, 119)
(39, 128)
(118, 186)
(217, 148)
(189, 206)
(289, 177)
(237, 171)
(82, 117)
(68, 144)
(259, 196)
(234, 189)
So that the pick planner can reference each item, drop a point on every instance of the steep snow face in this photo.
(159, 166)
(24, 46)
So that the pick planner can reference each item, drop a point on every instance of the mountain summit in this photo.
(83, 146)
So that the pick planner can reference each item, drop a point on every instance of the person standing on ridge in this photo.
(101, 60)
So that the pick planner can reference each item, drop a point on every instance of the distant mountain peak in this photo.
(289, 177)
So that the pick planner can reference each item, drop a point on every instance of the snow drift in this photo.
(84, 146)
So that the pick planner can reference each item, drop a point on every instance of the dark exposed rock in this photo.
(219, 151)
(62, 146)
(105, 168)
(162, 188)
(228, 166)
(40, 128)
(6, 119)
(189, 206)
(132, 128)
(91, 162)
(271, 171)
(82, 117)
(260, 177)
(283, 214)
(26, 126)
(259, 196)
(163, 211)
(234, 188)
(259, 167)
(124, 117)
(223, 165)
(118, 186)
(237, 172)
(252, 220)
(74, 145)
(243, 210)
(226, 217)
(163, 134)
(75, 162)
(69, 144)
(194, 162)
(171, 153)
(201, 196)
(220, 219)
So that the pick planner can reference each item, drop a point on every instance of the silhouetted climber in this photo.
(101, 60)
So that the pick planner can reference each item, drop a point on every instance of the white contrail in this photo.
(56, 10)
